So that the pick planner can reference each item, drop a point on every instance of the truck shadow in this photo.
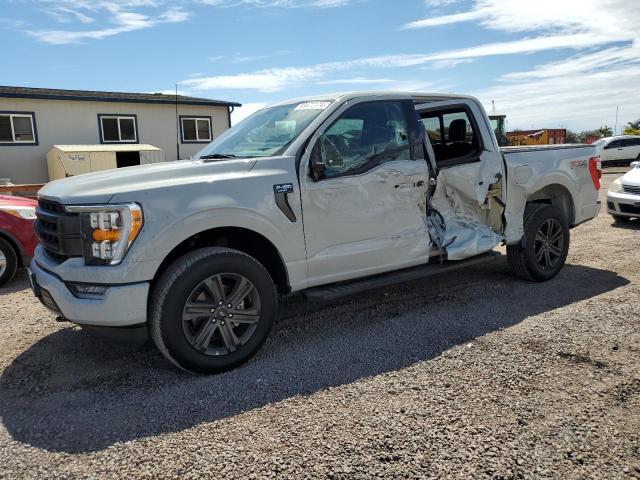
(72, 392)
(631, 224)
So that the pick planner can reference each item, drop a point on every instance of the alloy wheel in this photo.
(549, 244)
(221, 314)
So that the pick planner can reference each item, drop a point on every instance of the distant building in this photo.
(545, 136)
(32, 120)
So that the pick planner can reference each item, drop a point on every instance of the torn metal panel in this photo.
(459, 217)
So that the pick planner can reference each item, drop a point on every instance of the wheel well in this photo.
(558, 196)
(241, 239)
(15, 247)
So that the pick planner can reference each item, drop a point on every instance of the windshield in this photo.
(266, 133)
(599, 143)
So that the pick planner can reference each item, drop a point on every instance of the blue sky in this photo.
(560, 63)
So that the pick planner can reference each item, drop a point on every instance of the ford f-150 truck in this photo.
(325, 196)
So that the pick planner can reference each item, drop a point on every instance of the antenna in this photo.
(177, 126)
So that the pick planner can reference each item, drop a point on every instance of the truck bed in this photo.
(535, 148)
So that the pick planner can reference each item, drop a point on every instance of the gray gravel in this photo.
(473, 375)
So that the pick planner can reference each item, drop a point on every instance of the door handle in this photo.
(419, 183)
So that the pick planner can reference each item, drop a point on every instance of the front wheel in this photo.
(543, 251)
(212, 310)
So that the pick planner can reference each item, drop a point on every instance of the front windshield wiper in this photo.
(218, 155)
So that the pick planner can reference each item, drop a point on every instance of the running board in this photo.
(343, 289)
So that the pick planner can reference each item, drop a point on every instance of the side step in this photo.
(338, 290)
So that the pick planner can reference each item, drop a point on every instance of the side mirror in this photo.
(634, 164)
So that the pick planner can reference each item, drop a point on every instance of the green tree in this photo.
(572, 137)
(632, 128)
(605, 131)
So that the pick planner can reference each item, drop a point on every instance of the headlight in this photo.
(27, 213)
(108, 231)
(616, 186)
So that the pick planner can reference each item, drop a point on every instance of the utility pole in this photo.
(615, 127)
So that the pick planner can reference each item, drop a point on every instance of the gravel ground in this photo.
(471, 375)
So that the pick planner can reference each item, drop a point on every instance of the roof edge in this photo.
(90, 98)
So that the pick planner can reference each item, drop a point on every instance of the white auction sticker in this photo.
(313, 106)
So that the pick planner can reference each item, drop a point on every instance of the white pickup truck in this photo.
(326, 196)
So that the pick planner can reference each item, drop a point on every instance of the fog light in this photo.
(85, 290)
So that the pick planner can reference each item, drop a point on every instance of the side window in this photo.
(614, 144)
(452, 136)
(363, 137)
(17, 128)
(631, 142)
(118, 129)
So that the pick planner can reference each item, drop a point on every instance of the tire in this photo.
(8, 261)
(190, 320)
(538, 258)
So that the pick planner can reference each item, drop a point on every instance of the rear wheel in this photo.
(545, 245)
(212, 310)
(8, 261)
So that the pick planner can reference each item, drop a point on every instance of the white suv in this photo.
(620, 150)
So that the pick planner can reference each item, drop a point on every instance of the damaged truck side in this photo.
(326, 196)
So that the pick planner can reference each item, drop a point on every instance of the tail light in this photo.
(596, 171)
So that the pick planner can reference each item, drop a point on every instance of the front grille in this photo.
(631, 189)
(624, 208)
(58, 231)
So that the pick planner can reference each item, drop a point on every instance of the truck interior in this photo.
(452, 136)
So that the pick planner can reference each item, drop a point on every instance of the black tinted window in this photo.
(363, 137)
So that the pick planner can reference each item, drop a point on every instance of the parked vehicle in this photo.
(17, 238)
(619, 150)
(623, 197)
(327, 196)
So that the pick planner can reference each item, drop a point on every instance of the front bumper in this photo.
(623, 204)
(120, 306)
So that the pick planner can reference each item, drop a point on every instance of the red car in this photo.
(17, 238)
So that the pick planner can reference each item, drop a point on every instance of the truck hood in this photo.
(101, 187)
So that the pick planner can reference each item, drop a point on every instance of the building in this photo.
(32, 120)
(545, 136)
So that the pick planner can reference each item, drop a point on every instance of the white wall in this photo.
(67, 122)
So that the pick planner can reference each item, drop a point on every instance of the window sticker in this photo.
(313, 106)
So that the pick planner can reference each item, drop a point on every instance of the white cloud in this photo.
(581, 91)
(280, 3)
(240, 113)
(270, 80)
(356, 81)
(276, 79)
(117, 17)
